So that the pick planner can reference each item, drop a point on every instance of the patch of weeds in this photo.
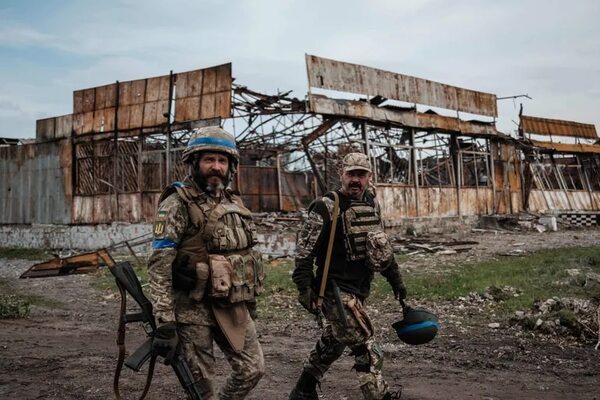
(30, 299)
(536, 276)
(23, 253)
(14, 306)
(279, 298)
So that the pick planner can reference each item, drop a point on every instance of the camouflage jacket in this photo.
(311, 247)
(172, 226)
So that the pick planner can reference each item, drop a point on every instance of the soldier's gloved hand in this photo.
(184, 275)
(165, 341)
(251, 305)
(308, 299)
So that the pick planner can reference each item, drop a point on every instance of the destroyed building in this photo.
(96, 173)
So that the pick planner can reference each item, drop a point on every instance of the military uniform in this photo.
(351, 269)
(214, 237)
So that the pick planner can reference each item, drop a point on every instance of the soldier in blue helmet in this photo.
(203, 272)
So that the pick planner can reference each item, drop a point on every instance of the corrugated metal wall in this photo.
(33, 178)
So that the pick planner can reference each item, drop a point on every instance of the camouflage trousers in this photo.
(247, 366)
(356, 334)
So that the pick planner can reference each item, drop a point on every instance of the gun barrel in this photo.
(186, 379)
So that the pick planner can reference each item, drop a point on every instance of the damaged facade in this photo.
(434, 149)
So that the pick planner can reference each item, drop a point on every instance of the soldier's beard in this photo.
(212, 188)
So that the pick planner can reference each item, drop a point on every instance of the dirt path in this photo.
(69, 352)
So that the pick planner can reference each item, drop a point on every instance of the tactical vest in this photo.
(222, 241)
(358, 220)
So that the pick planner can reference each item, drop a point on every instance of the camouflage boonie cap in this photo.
(354, 161)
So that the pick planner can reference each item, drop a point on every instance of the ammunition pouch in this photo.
(236, 277)
(202, 278)
(379, 250)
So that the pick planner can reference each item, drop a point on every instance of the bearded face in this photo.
(212, 172)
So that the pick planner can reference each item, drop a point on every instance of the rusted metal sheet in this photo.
(568, 147)
(32, 184)
(45, 129)
(64, 126)
(296, 191)
(353, 78)
(258, 186)
(437, 202)
(84, 100)
(203, 94)
(78, 264)
(106, 96)
(557, 127)
(578, 200)
(83, 123)
(359, 109)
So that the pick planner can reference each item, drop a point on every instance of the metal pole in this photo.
(279, 194)
(169, 110)
(116, 152)
(415, 168)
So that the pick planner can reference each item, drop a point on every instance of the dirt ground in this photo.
(69, 351)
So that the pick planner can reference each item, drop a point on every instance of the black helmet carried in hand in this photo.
(417, 326)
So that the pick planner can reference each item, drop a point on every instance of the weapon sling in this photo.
(336, 211)
(123, 320)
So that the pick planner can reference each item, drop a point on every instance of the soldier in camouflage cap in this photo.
(360, 248)
(203, 273)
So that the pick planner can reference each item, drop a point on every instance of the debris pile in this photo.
(277, 221)
(491, 294)
(411, 246)
(516, 223)
(578, 318)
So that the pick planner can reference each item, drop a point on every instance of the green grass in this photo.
(538, 276)
(22, 253)
(14, 304)
(105, 281)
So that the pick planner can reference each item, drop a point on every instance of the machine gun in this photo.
(128, 283)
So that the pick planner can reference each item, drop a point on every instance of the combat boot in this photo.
(306, 388)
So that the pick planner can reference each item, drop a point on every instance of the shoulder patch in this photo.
(159, 228)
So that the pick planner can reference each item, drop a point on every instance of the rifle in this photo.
(128, 282)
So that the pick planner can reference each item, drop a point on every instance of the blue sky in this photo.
(548, 49)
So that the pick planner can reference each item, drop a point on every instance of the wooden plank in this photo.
(187, 109)
(189, 84)
(105, 96)
(557, 127)
(207, 107)
(223, 104)
(353, 78)
(89, 99)
(104, 120)
(138, 91)
(83, 123)
(135, 116)
(209, 83)
(157, 88)
(223, 82)
(153, 113)
(77, 101)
